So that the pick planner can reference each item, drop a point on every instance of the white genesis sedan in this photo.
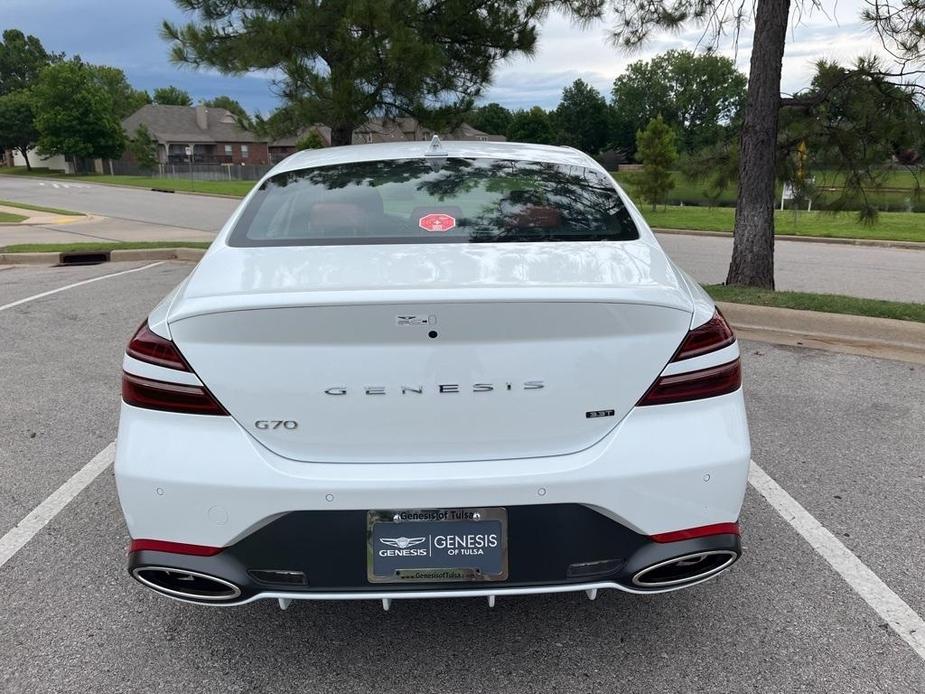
(432, 370)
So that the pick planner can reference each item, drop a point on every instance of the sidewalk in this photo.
(33, 217)
(90, 228)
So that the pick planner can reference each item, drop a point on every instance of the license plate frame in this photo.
(415, 529)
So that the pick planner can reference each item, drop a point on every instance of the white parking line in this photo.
(20, 302)
(42, 514)
(907, 624)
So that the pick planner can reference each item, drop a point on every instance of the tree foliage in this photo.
(532, 125)
(75, 115)
(582, 118)
(310, 140)
(655, 147)
(21, 60)
(125, 98)
(17, 123)
(342, 62)
(701, 96)
(492, 118)
(229, 104)
(143, 147)
(172, 96)
(850, 122)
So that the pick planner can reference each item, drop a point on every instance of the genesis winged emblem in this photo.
(401, 542)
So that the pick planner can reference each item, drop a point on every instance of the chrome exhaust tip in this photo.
(186, 584)
(687, 568)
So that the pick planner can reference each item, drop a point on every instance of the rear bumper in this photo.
(204, 480)
(553, 548)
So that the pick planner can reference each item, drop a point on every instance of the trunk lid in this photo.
(449, 353)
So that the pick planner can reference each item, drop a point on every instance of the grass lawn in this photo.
(40, 208)
(128, 245)
(897, 193)
(830, 303)
(890, 226)
(10, 218)
(181, 185)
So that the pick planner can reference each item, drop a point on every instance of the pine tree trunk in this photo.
(753, 244)
(341, 134)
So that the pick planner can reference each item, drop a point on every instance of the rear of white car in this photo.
(403, 371)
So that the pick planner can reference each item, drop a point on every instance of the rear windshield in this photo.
(434, 201)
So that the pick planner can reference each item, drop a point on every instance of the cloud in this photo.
(126, 35)
(566, 51)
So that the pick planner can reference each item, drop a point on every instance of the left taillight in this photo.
(164, 395)
(708, 382)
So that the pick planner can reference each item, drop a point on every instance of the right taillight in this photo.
(707, 382)
(167, 396)
(709, 337)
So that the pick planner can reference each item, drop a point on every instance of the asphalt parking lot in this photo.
(844, 436)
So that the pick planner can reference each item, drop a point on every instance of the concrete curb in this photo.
(127, 255)
(883, 338)
(875, 243)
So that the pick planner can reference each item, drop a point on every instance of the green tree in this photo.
(699, 95)
(143, 148)
(655, 147)
(491, 118)
(310, 140)
(582, 118)
(342, 62)
(17, 123)
(849, 122)
(634, 22)
(21, 60)
(229, 104)
(172, 96)
(75, 115)
(125, 98)
(532, 126)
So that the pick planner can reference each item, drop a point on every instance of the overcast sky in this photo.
(124, 33)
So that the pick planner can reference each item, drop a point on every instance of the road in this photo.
(842, 434)
(876, 273)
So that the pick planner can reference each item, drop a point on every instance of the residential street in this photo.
(782, 620)
(140, 214)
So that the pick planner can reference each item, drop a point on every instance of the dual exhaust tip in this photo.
(186, 584)
(686, 569)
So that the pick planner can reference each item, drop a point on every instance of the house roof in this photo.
(180, 124)
(323, 131)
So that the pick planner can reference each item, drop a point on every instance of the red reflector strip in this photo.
(169, 397)
(695, 385)
(702, 531)
(174, 547)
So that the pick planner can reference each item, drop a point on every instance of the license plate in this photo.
(436, 545)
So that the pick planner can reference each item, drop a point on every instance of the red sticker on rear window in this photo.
(437, 222)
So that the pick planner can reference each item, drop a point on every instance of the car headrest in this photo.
(338, 215)
(534, 217)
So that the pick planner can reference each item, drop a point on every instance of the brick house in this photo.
(405, 128)
(197, 134)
